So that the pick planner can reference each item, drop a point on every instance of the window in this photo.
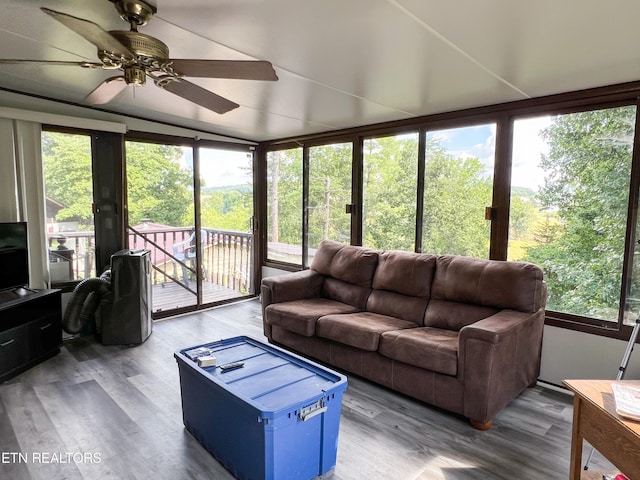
(458, 185)
(569, 204)
(329, 193)
(560, 174)
(68, 184)
(390, 174)
(226, 213)
(284, 205)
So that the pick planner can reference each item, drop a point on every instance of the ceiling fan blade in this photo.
(106, 91)
(198, 95)
(240, 69)
(9, 61)
(92, 32)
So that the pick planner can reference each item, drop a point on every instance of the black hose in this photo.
(84, 301)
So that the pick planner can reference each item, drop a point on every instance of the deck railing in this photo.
(72, 256)
(227, 256)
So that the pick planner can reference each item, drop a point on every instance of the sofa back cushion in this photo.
(404, 272)
(345, 292)
(476, 288)
(348, 270)
(348, 263)
(397, 305)
(402, 285)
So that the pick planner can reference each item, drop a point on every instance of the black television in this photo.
(14, 255)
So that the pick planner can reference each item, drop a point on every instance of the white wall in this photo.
(567, 354)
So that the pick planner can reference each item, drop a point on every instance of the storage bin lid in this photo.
(271, 378)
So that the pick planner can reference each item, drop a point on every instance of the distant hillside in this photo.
(524, 192)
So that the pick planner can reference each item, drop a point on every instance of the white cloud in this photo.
(222, 167)
(528, 147)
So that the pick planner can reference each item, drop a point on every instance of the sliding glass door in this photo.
(192, 208)
(226, 223)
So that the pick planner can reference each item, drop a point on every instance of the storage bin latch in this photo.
(312, 410)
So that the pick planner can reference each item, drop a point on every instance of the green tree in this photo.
(456, 192)
(67, 176)
(329, 192)
(390, 175)
(227, 208)
(586, 186)
(284, 181)
(158, 186)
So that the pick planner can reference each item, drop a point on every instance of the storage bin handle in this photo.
(311, 411)
(8, 342)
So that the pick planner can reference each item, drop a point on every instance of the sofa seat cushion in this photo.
(300, 316)
(361, 330)
(433, 349)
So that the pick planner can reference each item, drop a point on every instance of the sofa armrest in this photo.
(497, 327)
(291, 286)
(499, 357)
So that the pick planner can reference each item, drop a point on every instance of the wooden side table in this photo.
(596, 421)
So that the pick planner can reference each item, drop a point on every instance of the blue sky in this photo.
(479, 142)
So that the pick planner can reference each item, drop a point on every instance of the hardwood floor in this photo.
(96, 411)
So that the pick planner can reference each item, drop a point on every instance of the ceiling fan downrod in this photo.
(135, 12)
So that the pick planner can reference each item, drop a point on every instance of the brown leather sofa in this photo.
(460, 333)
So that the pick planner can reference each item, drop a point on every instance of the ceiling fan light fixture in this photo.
(135, 76)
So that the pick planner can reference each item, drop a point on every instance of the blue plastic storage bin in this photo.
(277, 417)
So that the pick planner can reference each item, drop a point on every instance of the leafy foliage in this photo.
(67, 176)
(329, 192)
(284, 200)
(455, 194)
(158, 187)
(587, 183)
(390, 174)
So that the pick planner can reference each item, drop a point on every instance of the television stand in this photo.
(30, 328)
(15, 294)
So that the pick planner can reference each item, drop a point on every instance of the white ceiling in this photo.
(341, 63)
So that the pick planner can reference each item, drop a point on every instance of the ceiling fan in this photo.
(138, 55)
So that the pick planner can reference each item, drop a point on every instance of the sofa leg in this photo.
(481, 426)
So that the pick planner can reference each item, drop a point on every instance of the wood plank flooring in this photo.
(97, 412)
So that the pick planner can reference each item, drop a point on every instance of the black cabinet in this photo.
(30, 329)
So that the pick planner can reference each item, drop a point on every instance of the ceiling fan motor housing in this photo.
(150, 55)
(141, 45)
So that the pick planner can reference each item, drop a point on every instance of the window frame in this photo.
(503, 115)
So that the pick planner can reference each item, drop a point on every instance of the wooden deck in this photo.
(169, 296)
